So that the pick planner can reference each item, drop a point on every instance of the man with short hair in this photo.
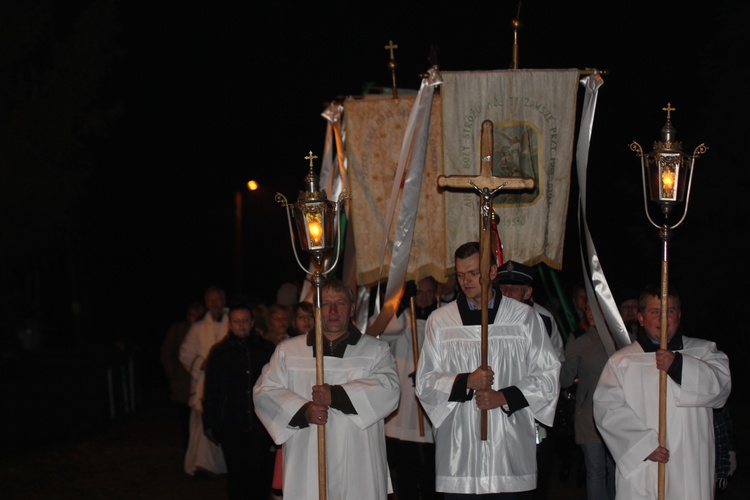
(411, 456)
(203, 458)
(179, 377)
(520, 385)
(627, 400)
(278, 323)
(515, 280)
(232, 368)
(361, 388)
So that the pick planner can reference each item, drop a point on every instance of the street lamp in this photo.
(667, 176)
(316, 221)
(251, 185)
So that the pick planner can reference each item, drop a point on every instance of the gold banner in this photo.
(374, 130)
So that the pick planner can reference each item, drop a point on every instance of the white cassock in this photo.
(626, 411)
(554, 334)
(203, 334)
(520, 354)
(404, 422)
(356, 462)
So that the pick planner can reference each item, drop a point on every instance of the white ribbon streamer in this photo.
(413, 150)
(607, 315)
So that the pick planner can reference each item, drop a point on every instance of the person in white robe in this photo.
(411, 456)
(626, 406)
(516, 280)
(360, 389)
(202, 456)
(519, 386)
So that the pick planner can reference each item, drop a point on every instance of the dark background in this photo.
(126, 128)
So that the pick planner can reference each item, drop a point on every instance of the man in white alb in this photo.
(521, 385)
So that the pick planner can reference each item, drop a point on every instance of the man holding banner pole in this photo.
(409, 439)
(519, 385)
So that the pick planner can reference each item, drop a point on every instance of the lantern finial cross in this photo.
(311, 157)
(669, 110)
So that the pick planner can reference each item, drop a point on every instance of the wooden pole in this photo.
(663, 341)
(485, 255)
(487, 185)
(516, 27)
(415, 350)
(317, 280)
(392, 67)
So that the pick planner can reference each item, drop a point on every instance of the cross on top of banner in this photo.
(390, 47)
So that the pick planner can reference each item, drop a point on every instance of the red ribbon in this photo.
(497, 246)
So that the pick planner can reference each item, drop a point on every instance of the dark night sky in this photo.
(213, 95)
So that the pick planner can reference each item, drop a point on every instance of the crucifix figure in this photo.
(487, 185)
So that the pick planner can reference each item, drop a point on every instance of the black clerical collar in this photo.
(424, 312)
(649, 345)
(471, 316)
(352, 337)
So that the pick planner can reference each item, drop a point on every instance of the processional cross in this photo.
(392, 66)
(487, 185)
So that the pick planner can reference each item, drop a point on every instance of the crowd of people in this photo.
(459, 397)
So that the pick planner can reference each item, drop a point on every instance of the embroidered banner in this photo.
(374, 128)
(533, 113)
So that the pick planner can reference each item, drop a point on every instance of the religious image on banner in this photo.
(516, 154)
(533, 114)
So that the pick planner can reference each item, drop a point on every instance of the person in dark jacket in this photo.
(232, 367)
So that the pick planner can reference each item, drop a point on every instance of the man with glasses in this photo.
(520, 385)
(232, 368)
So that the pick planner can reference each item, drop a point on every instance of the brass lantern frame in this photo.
(667, 175)
(317, 221)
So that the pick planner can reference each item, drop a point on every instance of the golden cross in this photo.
(487, 185)
(311, 157)
(390, 47)
(669, 109)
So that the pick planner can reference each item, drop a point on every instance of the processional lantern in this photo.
(316, 220)
(314, 216)
(667, 174)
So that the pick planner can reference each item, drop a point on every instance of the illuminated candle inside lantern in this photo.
(315, 229)
(667, 182)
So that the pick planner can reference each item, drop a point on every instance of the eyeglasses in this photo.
(471, 274)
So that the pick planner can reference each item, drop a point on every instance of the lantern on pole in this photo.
(667, 176)
(316, 220)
